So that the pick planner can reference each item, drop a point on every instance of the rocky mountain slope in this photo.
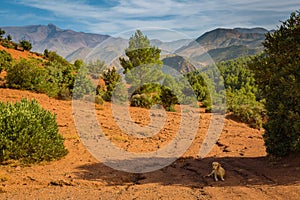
(50, 37)
(213, 46)
(77, 45)
(224, 44)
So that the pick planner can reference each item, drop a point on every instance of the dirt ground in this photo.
(18, 54)
(240, 150)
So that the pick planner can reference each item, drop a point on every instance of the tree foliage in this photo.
(26, 45)
(2, 32)
(140, 53)
(143, 71)
(243, 97)
(111, 79)
(278, 77)
(9, 37)
(26, 75)
(29, 133)
(96, 68)
(5, 60)
(54, 77)
(82, 85)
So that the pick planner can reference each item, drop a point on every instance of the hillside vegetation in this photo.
(252, 84)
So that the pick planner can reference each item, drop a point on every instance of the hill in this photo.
(219, 44)
(178, 63)
(224, 44)
(17, 54)
(74, 45)
(64, 42)
(221, 38)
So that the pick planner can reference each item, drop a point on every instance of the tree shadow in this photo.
(191, 172)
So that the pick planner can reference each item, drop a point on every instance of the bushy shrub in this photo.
(29, 133)
(96, 68)
(8, 44)
(26, 75)
(26, 45)
(199, 84)
(141, 100)
(111, 79)
(168, 99)
(61, 77)
(65, 93)
(99, 100)
(55, 77)
(32, 75)
(246, 108)
(5, 60)
(145, 96)
(83, 85)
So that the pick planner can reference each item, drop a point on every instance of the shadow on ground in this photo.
(190, 172)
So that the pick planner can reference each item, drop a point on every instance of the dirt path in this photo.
(79, 175)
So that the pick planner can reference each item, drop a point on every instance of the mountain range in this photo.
(224, 44)
(219, 44)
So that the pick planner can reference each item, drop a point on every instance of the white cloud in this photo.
(191, 17)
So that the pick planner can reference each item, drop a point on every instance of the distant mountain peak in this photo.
(53, 27)
(258, 30)
(51, 37)
(224, 43)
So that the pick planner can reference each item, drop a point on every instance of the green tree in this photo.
(243, 96)
(143, 71)
(96, 68)
(111, 79)
(26, 45)
(9, 37)
(143, 64)
(5, 60)
(83, 85)
(278, 76)
(46, 53)
(2, 32)
(78, 64)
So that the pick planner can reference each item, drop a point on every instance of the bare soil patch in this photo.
(240, 150)
(18, 54)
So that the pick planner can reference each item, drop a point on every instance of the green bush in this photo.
(55, 77)
(141, 100)
(168, 98)
(83, 86)
(26, 75)
(146, 96)
(8, 44)
(29, 133)
(111, 79)
(96, 68)
(5, 60)
(2, 32)
(245, 107)
(26, 45)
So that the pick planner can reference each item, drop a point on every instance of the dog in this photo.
(218, 171)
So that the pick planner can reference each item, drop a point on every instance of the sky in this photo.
(167, 19)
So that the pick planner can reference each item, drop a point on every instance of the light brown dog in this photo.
(218, 171)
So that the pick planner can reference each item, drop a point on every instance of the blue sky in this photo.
(188, 19)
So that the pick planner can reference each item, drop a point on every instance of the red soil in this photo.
(240, 150)
(17, 54)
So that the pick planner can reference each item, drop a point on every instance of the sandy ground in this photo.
(240, 149)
